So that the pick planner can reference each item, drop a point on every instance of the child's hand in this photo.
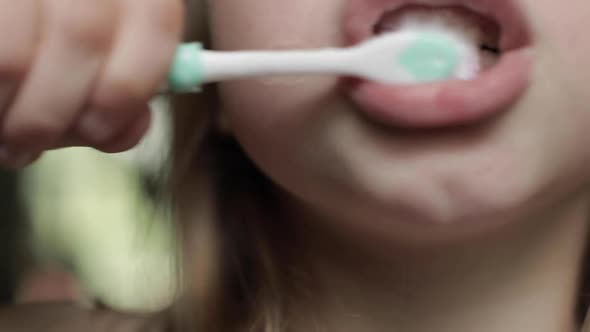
(80, 72)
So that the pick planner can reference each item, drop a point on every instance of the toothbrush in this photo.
(404, 57)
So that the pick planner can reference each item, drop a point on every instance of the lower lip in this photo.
(450, 103)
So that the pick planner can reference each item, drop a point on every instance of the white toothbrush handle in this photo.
(399, 58)
(221, 66)
(194, 67)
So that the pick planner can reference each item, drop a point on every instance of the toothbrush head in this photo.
(430, 58)
(415, 56)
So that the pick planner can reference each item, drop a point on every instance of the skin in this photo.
(487, 224)
(81, 72)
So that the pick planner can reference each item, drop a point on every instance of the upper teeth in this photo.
(481, 32)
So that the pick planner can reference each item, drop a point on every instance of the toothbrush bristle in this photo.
(463, 40)
(422, 53)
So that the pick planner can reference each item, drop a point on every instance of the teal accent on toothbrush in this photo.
(430, 58)
(404, 57)
(186, 73)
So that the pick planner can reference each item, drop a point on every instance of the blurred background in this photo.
(92, 227)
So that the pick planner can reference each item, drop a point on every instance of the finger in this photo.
(127, 138)
(77, 39)
(16, 159)
(16, 54)
(49, 285)
(139, 64)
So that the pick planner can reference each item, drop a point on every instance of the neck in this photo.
(521, 278)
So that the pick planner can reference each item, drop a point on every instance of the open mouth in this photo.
(496, 27)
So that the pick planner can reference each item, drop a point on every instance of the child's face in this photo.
(310, 137)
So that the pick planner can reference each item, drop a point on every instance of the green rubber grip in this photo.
(430, 58)
(186, 71)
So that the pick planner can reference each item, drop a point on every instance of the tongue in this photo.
(482, 32)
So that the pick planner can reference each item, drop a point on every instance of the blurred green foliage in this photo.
(91, 211)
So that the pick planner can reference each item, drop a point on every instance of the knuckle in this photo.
(89, 24)
(128, 137)
(119, 146)
(37, 133)
(21, 27)
(166, 15)
(14, 64)
(121, 92)
(14, 160)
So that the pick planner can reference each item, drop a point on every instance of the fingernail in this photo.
(96, 126)
(11, 158)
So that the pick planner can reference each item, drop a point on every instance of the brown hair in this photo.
(225, 207)
(231, 244)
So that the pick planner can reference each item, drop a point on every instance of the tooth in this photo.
(476, 30)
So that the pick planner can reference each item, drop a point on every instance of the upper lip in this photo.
(362, 15)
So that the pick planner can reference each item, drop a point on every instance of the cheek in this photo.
(274, 24)
(562, 91)
(273, 107)
(562, 38)
(274, 118)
